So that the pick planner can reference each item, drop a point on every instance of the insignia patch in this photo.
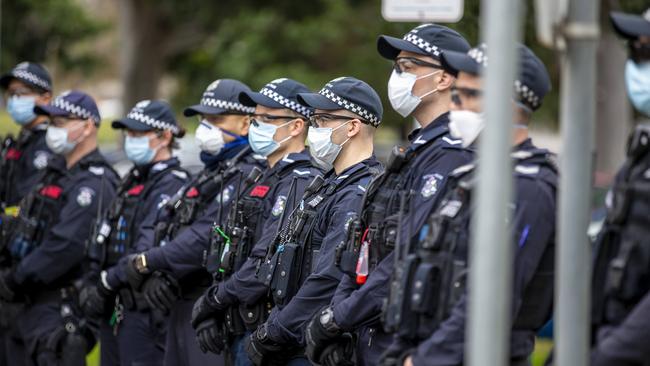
(430, 186)
(225, 195)
(40, 159)
(164, 198)
(278, 206)
(85, 196)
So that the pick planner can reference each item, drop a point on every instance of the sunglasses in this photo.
(320, 119)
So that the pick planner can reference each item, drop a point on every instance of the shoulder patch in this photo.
(85, 196)
(97, 170)
(431, 185)
(225, 195)
(279, 205)
(40, 159)
(180, 174)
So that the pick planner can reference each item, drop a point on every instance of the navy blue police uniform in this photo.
(174, 275)
(22, 163)
(395, 208)
(130, 332)
(238, 297)
(48, 246)
(621, 294)
(435, 334)
(302, 281)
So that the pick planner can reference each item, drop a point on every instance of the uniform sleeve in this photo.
(62, 247)
(363, 306)
(534, 222)
(244, 286)
(343, 290)
(626, 344)
(32, 167)
(319, 286)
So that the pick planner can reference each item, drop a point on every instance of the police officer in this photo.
(304, 280)
(27, 85)
(396, 205)
(171, 275)
(48, 243)
(434, 331)
(621, 304)
(238, 301)
(135, 335)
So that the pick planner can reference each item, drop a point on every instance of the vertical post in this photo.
(577, 116)
(490, 279)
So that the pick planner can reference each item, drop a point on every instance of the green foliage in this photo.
(52, 30)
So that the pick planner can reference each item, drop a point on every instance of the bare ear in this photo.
(244, 125)
(298, 127)
(447, 80)
(354, 127)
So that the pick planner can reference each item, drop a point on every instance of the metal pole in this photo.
(577, 116)
(490, 279)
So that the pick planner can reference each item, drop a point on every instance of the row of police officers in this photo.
(278, 254)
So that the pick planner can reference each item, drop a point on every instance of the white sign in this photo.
(444, 11)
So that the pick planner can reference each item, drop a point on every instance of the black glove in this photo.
(161, 291)
(206, 306)
(134, 273)
(339, 353)
(8, 286)
(260, 347)
(209, 336)
(95, 300)
(318, 336)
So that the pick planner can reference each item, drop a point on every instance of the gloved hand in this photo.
(340, 352)
(161, 291)
(321, 332)
(135, 272)
(8, 286)
(262, 350)
(209, 336)
(206, 306)
(95, 300)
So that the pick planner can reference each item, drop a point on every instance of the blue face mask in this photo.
(21, 109)
(260, 137)
(637, 81)
(138, 151)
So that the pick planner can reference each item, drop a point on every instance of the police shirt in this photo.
(286, 324)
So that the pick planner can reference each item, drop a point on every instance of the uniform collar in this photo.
(366, 164)
(292, 158)
(93, 157)
(526, 145)
(150, 170)
(435, 128)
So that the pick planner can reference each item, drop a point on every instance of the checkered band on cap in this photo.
(30, 77)
(346, 104)
(152, 122)
(294, 106)
(526, 94)
(422, 44)
(224, 104)
(479, 54)
(75, 110)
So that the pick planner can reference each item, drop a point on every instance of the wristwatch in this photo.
(327, 320)
(140, 263)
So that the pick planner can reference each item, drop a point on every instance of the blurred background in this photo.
(123, 51)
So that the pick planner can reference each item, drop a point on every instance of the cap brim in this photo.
(317, 101)
(50, 110)
(630, 25)
(460, 62)
(252, 99)
(130, 124)
(389, 47)
(202, 109)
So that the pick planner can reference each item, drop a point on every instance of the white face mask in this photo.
(321, 147)
(466, 125)
(209, 138)
(56, 139)
(400, 92)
